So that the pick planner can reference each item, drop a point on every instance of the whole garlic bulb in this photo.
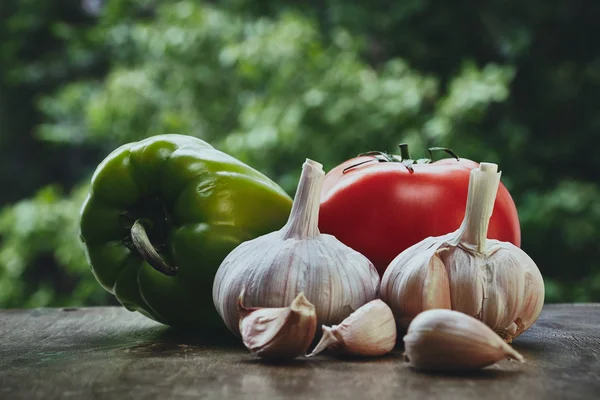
(490, 280)
(275, 267)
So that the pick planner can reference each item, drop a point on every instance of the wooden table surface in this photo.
(110, 353)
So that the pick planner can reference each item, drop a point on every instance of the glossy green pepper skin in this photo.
(162, 214)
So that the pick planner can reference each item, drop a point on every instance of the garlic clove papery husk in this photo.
(450, 340)
(278, 333)
(275, 267)
(493, 281)
(368, 331)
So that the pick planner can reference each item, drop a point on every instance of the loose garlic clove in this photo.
(298, 258)
(495, 282)
(450, 340)
(278, 333)
(369, 331)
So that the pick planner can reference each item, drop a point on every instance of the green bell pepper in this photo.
(160, 217)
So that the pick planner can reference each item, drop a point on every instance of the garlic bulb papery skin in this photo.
(449, 340)
(278, 333)
(275, 267)
(368, 331)
(493, 281)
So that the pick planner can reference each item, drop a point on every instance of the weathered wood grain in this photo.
(110, 353)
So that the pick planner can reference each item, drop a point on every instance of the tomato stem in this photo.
(404, 151)
(380, 156)
(432, 149)
(142, 243)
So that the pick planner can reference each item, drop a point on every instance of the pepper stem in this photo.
(148, 252)
(304, 218)
(483, 187)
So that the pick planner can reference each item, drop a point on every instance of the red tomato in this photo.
(381, 208)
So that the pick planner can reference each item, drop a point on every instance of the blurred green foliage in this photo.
(274, 82)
